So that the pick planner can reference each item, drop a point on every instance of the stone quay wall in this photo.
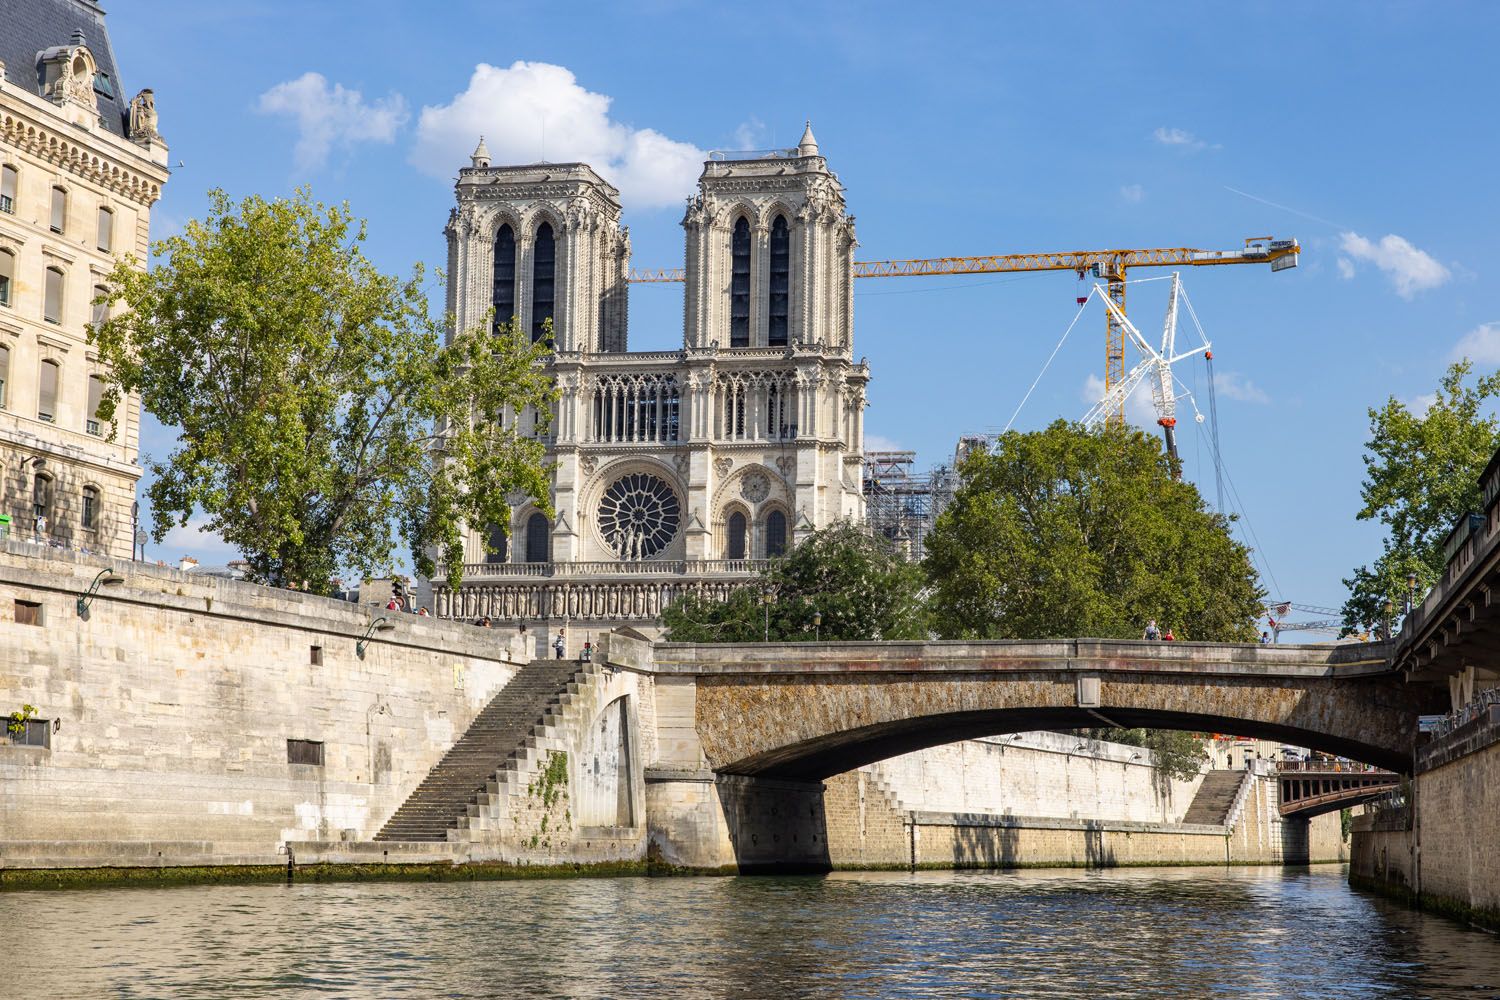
(1440, 853)
(168, 709)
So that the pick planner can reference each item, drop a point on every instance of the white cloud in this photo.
(331, 116)
(877, 442)
(1139, 409)
(1410, 270)
(1132, 193)
(1480, 345)
(749, 134)
(1181, 138)
(1421, 403)
(536, 111)
(194, 539)
(1346, 268)
(1237, 386)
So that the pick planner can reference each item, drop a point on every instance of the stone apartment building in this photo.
(679, 470)
(81, 164)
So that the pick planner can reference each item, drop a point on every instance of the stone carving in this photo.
(588, 463)
(755, 487)
(722, 465)
(683, 462)
(143, 117)
(787, 466)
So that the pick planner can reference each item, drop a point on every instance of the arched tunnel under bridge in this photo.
(763, 726)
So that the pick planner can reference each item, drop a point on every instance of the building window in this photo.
(739, 285)
(315, 655)
(52, 302)
(4, 373)
(543, 271)
(537, 538)
(497, 548)
(46, 403)
(33, 733)
(41, 503)
(28, 612)
(59, 209)
(8, 189)
(89, 519)
(7, 273)
(100, 306)
(775, 534)
(504, 297)
(304, 752)
(736, 547)
(106, 229)
(93, 424)
(781, 278)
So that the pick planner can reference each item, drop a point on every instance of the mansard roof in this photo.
(31, 27)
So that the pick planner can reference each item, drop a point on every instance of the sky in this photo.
(1362, 129)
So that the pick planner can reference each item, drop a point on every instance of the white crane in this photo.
(1154, 362)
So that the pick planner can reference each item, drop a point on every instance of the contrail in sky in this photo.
(1284, 208)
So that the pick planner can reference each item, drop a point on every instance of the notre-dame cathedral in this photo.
(674, 471)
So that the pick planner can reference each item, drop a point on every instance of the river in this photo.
(1188, 932)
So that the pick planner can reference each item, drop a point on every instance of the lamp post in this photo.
(106, 578)
(766, 599)
(381, 624)
(817, 626)
(1411, 592)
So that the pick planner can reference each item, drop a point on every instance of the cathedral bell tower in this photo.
(769, 252)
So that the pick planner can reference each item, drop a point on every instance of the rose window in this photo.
(639, 515)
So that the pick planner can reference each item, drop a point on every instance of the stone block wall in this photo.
(169, 707)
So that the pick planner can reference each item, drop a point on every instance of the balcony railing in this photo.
(644, 567)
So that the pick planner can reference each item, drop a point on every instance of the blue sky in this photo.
(1362, 129)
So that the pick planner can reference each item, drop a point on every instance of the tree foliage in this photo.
(1422, 474)
(1073, 532)
(320, 413)
(1177, 754)
(861, 587)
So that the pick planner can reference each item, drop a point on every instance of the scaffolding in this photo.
(901, 505)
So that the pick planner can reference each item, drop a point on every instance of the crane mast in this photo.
(1110, 266)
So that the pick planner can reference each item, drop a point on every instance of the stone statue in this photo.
(143, 116)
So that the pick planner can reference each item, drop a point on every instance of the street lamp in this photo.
(766, 598)
(106, 578)
(1411, 592)
(817, 626)
(381, 624)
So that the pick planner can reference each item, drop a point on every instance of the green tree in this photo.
(320, 413)
(859, 585)
(1073, 532)
(1178, 754)
(1422, 474)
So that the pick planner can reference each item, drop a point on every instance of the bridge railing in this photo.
(1324, 767)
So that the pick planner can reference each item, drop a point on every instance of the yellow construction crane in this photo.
(1109, 265)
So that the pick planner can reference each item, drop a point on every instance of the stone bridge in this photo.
(761, 727)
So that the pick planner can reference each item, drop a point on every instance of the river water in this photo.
(1190, 932)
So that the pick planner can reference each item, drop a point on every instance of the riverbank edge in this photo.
(1472, 916)
(36, 879)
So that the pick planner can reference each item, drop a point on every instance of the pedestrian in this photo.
(423, 613)
(1265, 638)
(484, 622)
(588, 653)
(560, 644)
(1167, 636)
(1152, 632)
(391, 605)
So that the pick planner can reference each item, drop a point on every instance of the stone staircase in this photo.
(503, 732)
(1216, 797)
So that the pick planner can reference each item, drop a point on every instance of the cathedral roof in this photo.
(481, 152)
(34, 26)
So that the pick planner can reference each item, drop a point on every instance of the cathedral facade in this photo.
(673, 471)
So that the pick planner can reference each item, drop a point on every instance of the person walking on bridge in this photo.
(1152, 632)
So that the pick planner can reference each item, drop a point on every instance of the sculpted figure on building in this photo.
(677, 470)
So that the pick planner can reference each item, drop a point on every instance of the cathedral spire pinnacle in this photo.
(481, 157)
(807, 145)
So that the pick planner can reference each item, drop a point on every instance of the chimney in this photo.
(78, 37)
(187, 564)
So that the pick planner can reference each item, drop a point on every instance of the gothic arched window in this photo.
(736, 547)
(537, 538)
(504, 298)
(781, 280)
(498, 549)
(775, 534)
(543, 271)
(739, 285)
